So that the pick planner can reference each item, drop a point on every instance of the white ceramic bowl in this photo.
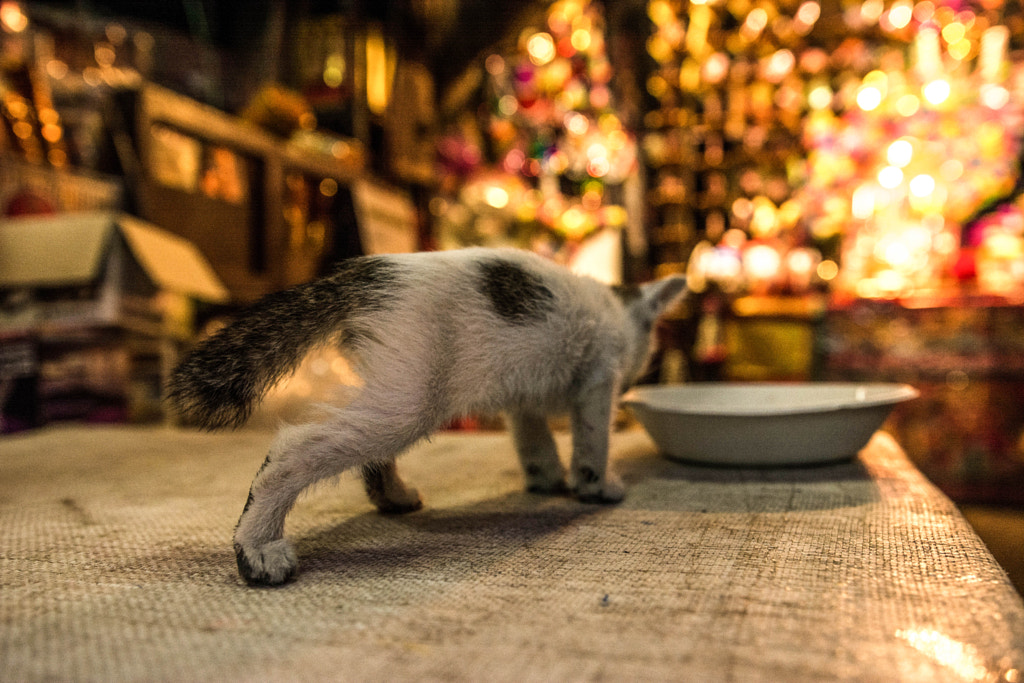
(764, 424)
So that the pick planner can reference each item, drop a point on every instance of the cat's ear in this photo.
(659, 294)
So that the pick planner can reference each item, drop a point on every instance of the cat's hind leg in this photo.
(537, 453)
(387, 490)
(300, 456)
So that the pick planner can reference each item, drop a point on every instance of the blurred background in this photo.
(840, 180)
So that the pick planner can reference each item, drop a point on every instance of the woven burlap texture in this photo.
(116, 565)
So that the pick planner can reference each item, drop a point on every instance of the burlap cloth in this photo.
(116, 564)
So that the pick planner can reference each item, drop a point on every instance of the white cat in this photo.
(433, 336)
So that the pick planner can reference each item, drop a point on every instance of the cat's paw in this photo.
(387, 491)
(398, 502)
(546, 481)
(591, 489)
(270, 564)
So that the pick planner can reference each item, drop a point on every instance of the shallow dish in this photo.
(764, 424)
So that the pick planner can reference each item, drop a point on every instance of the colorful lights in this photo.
(380, 65)
(739, 264)
(890, 177)
(869, 97)
(806, 16)
(913, 149)
(496, 196)
(936, 92)
(899, 15)
(820, 96)
(541, 48)
(334, 70)
(922, 185)
(900, 153)
(12, 18)
(558, 143)
(870, 12)
(863, 202)
(762, 262)
(994, 96)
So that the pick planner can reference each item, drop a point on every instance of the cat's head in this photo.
(645, 304)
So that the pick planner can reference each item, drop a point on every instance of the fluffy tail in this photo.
(222, 379)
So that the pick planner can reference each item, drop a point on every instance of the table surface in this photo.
(115, 564)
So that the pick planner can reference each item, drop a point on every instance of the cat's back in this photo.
(514, 284)
(491, 298)
(497, 324)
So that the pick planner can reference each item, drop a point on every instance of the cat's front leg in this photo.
(537, 453)
(591, 481)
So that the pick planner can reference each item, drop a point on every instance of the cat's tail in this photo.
(223, 378)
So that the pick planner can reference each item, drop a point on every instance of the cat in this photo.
(433, 336)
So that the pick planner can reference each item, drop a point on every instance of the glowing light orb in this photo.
(900, 14)
(862, 204)
(757, 20)
(994, 96)
(12, 17)
(496, 197)
(900, 153)
(828, 270)
(869, 97)
(890, 177)
(808, 12)
(922, 185)
(541, 48)
(820, 97)
(762, 262)
(936, 92)
(800, 261)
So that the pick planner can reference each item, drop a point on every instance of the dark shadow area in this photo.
(657, 482)
(650, 464)
(438, 541)
(443, 543)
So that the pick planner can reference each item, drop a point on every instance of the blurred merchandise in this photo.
(548, 163)
(966, 356)
(855, 143)
(268, 213)
(94, 310)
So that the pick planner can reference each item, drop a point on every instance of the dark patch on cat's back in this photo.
(517, 295)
